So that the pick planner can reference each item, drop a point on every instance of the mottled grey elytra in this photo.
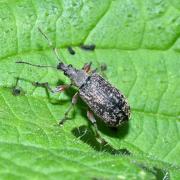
(105, 100)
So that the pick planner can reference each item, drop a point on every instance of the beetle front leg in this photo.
(74, 101)
(101, 69)
(91, 117)
(87, 67)
(60, 88)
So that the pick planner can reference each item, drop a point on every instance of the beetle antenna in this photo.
(50, 44)
(36, 65)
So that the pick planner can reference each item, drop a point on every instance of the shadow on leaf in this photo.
(86, 135)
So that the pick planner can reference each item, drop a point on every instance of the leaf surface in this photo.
(139, 42)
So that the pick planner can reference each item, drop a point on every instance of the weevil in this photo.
(103, 100)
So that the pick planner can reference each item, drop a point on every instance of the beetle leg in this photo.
(87, 67)
(45, 85)
(74, 101)
(102, 68)
(60, 88)
(91, 117)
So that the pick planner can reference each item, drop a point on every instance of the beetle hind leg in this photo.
(91, 117)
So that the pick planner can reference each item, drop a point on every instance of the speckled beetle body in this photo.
(104, 100)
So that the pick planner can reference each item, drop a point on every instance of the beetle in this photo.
(103, 100)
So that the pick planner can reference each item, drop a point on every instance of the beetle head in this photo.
(77, 77)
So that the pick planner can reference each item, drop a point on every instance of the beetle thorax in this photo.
(78, 77)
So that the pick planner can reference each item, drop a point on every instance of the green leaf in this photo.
(139, 42)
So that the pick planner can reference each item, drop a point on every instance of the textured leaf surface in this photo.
(139, 41)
